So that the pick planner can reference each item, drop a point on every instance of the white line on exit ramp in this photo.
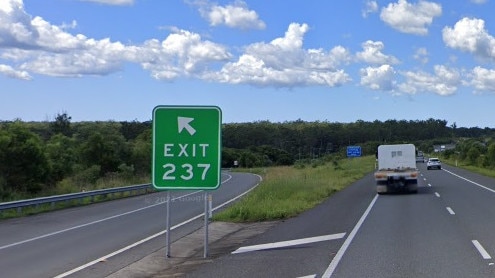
(287, 243)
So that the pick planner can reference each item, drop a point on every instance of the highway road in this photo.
(446, 230)
(89, 241)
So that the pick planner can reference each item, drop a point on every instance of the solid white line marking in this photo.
(482, 250)
(436, 194)
(287, 243)
(100, 220)
(308, 276)
(333, 265)
(65, 274)
(477, 184)
(89, 223)
(451, 211)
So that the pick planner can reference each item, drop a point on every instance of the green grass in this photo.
(287, 191)
(482, 171)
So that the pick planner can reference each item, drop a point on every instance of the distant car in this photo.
(433, 163)
(420, 157)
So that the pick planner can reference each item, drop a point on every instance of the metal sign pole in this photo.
(167, 236)
(205, 253)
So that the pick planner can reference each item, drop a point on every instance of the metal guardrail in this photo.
(36, 202)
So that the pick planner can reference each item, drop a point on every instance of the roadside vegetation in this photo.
(59, 156)
(287, 191)
(473, 154)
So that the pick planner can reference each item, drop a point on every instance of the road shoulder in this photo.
(188, 253)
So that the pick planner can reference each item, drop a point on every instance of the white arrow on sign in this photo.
(184, 124)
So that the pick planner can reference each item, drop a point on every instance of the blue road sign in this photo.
(353, 151)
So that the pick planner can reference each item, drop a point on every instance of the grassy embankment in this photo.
(288, 191)
(461, 164)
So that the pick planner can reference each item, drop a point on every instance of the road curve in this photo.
(64, 242)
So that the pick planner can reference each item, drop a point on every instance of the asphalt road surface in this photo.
(446, 230)
(72, 241)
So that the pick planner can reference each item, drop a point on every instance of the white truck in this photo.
(396, 171)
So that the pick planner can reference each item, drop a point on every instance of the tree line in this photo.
(61, 156)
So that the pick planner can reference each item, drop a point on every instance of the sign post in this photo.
(186, 152)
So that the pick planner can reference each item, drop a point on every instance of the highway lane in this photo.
(430, 234)
(338, 214)
(50, 244)
(446, 230)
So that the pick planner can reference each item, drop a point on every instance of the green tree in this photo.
(61, 124)
(141, 153)
(24, 167)
(491, 154)
(60, 151)
(473, 154)
(103, 151)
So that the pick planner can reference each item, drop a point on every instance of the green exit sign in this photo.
(186, 147)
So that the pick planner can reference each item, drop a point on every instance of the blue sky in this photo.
(335, 61)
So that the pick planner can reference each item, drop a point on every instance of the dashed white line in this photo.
(482, 250)
(436, 194)
(429, 184)
(451, 211)
(287, 243)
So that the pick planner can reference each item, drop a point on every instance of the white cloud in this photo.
(378, 78)
(421, 55)
(370, 7)
(92, 58)
(236, 15)
(283, 62)
(10, 72)
(181, 53)
(469, 35)
(444, 81)
(411, 18)
(483, 79)
(372, 54)
(16, 29)
(479, 1)
(40, 47)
